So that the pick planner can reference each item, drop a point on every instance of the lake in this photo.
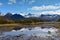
(25, 33)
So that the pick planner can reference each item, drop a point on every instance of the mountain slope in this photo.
(14, 17)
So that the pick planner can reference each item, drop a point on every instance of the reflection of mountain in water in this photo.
(29, 32)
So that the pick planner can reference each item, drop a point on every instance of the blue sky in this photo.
(32, 6)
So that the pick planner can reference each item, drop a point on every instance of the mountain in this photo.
(52, 17)
(8, 15)
(29, 15)
(14, 17)
(17, 16)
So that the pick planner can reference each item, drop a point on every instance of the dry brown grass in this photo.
(57, 25)
(9, 24)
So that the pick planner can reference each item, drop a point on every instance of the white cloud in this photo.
(22, 13)
(27, 1)
(22, 2)
(50, 7)
(49, 12)
(57, 12)
(1, 3)
(32, 1)
(12, 2)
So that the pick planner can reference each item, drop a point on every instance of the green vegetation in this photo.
(5, 20)
(25, 21)
(28, 21)
(58, 20)
(21, 21)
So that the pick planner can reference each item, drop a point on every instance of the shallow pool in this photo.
(31, 31)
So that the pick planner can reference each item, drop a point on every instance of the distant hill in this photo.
(14, 17)
(53, 17)
(17, 18)
(42, 17)
(30, 15)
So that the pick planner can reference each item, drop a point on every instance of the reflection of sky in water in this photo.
(36, 30)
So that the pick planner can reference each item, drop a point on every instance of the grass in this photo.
(57, 24)
(9, 25)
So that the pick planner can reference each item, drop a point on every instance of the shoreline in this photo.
(54, 24)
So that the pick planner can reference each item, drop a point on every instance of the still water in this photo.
(32, 31)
